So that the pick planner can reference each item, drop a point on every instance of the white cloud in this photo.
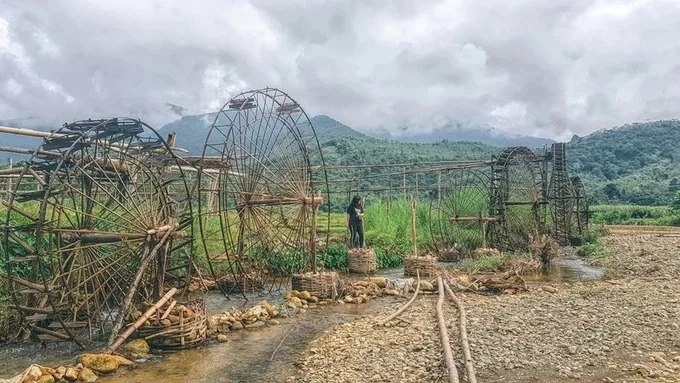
(550, 68)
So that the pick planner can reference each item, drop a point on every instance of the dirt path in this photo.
(623, 330)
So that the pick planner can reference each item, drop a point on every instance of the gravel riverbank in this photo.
(621, 330)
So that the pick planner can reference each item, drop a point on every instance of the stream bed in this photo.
(248, 355)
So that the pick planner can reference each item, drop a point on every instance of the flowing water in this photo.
(567, 269)
(247, 356)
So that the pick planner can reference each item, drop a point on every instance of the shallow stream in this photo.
(247, 356)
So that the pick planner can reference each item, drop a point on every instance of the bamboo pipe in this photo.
(444, 335)
(469, 366)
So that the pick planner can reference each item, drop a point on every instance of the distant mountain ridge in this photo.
(632, 164)
(455, 132)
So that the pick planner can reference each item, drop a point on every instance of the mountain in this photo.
(457, 131)
(328, 129)
(193, 130)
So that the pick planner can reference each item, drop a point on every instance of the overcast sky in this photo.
(549, 68)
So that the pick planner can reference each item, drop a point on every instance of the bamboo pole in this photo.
(413, 226)
(404, 307)
(444, 335)
(469, 366)
(140, 321)
(148, 255)
(10, 165)
(315, 215)
(439, 188)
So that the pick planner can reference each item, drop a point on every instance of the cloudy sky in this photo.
(550, 68)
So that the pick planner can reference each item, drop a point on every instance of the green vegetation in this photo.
(634, 164)
(486, 263)
(634, 215)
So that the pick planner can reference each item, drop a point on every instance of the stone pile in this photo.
(88, 369)
(263, 313)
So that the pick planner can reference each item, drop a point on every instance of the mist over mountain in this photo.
(456, 131)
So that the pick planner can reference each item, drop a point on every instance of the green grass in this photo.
(634, 215)
(486, 263)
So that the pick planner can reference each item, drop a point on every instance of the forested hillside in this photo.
(632, 164)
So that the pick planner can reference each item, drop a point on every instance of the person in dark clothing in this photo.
(355, 221)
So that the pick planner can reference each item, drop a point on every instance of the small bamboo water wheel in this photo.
(517, 199)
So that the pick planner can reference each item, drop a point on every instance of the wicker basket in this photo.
(427, 266)
(184, 327)
(242, 283)
(322, 285)
(362, 260)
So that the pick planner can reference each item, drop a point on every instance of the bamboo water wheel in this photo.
(259, 210)
(517, 199)
(109, 224)
(460, 217)
(560, 195)
(580, 213)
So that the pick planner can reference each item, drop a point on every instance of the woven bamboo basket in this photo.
(362, 260)
(323, 285)
(427, 266)
(242, 283)
(176, 326)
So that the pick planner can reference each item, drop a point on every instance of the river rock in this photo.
(236, 326)
(305, 295)
(271, 309)
(87, 376)
(59, 372)
(137, 346)
(313, 299)
(222, 338)
(426, 286)
(47, 370)
(294, 302)
(103, 363)
(379, 281)
(71, 374)
(32, 374)
(45, 379)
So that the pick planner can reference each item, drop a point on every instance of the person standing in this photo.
(355, 222)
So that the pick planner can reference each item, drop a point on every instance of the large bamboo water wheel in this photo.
(109, 224)
(262, 186)
(460, 216)
(560, 195)
(517, 199)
